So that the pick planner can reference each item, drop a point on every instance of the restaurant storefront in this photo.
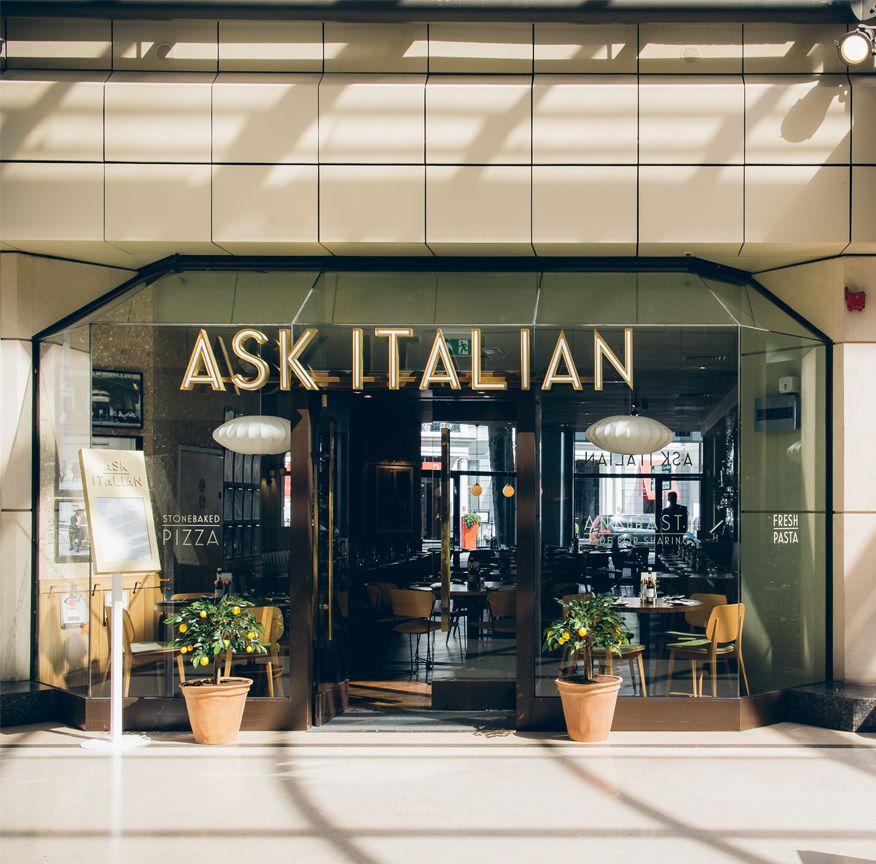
(439, 416)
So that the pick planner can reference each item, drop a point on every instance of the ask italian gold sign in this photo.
(441, 367)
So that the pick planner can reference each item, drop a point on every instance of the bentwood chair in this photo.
(271, 620)
(723, 638)
(137, 654)
(413, 614)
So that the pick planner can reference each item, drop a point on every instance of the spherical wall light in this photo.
(856, 46)
(255, 435)
(629, 434)
(476, 490)
(508, 490)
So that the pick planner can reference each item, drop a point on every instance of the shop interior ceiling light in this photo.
(856, 46)
(508, 490)
(629, 434)
(256, 435)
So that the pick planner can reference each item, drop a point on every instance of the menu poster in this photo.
(119, 511)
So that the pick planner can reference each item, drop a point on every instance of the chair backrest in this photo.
(699, 616)
(191, 595)
(503, 604)
(725, 623)
(410, 603)
(271, 620)
(385, 588)
(559, 589)
(373, 596)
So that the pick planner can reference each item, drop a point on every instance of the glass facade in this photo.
(422, 384)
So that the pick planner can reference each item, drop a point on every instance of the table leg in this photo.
(645, 639)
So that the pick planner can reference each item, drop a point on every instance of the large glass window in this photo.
(729, 513)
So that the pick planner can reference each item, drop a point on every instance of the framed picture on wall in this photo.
(68, 480)
(394, 498)
(71, 531)
(116, 399)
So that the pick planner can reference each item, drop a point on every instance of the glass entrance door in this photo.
(415, 569)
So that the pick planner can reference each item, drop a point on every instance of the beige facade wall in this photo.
(745, 144)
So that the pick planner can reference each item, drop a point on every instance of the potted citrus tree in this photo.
(470, 524)
(205, 631)
(590, 627)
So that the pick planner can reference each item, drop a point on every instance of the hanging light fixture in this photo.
(258, 434)
(629, 434)
(476, 487)
(508, 490)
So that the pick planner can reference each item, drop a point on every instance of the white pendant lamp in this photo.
(630, 434)
(255, 435)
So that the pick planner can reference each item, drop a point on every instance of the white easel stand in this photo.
(116, 741)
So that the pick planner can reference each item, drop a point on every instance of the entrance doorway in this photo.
(415, 595)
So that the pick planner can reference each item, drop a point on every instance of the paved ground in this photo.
(782, 794)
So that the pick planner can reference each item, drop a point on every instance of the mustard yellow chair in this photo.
(137, 654)
(633, 654)
(723, 638)
(271, 620)
(697, 617)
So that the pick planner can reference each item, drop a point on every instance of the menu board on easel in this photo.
(119, 510)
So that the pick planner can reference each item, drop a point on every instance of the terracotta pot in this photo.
(215, 712)
(589, 707)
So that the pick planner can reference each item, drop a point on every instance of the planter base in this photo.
(215, 712)
(589, 707)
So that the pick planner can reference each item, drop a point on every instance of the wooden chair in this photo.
(698, 617)
(633, 654)
(189, 595)
(373, 597)
(502, 606)
(412, 610)
(136, 654)
(723, 638)
(271, 620)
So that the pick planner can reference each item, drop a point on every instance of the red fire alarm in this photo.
(855, 300)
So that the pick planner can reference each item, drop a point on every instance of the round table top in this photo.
(658, 607)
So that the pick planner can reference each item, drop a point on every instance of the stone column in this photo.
(34, 293)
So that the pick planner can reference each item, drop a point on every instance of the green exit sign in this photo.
(459, 347)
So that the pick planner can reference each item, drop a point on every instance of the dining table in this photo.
(645, 609)
(473, 601)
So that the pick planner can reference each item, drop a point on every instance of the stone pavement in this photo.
(785, 793)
